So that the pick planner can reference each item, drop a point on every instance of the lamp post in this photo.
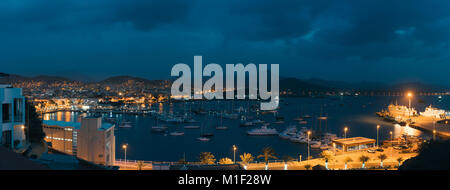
(234, 153)
(392, 139)
(125, 146)
(378, 128)
(345, 132)
(409, 101)
(309, 133)
(434, 134)
(334, 148)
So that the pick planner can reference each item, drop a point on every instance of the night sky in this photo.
(340, 40)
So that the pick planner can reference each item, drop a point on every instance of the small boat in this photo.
(324, 147)
(257, 121)
(192, 127)
(302, 122)
(159, 128)
(315, 144)
(177, 133)
(221, 127)
(298, 119)
(125, 124)
(204, 139)
(307, 116)
(279, 122)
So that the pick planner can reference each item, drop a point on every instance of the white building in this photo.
(90, 139)
(12, 120)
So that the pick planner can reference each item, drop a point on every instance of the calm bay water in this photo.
(358, 113)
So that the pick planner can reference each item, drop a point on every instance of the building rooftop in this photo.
(354, 140)
(75, 125)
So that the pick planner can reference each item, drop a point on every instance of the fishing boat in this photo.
(177, 133)
(263, 131)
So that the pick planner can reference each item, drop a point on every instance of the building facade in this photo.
(12, 120)
(89, 139)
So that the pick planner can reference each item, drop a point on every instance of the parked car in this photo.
(371, 151)
(379, 150)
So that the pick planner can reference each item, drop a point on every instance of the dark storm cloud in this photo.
(341, 40)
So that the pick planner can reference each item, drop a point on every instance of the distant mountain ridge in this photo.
(286, 83)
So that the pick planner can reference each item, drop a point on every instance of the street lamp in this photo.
(125, 146)
(434, 134)
(345, 132)
(409, 100)
(392, 139)
(334, 148)
(234, 153)
(309, 133)
(378, 128)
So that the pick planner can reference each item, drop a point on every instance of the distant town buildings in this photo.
(12, 120)
(88, 139)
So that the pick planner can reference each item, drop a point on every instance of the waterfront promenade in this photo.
(336, 163)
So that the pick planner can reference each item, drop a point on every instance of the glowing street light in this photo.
(234, 153)
(125, 146)
(409, 100)
(378, 128)
(434, 134)
(345, 132)
(309, 133)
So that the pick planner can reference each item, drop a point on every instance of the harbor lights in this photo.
(345, 132)
(309, 133)
(378, 129)
(125, 146)
(234, 154)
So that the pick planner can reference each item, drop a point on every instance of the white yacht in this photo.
(177, 133)
(263, 131)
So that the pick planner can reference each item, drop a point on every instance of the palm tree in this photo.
(364, 159)
(382, 157)
(307, 166)
(246, 158)
(399, 160)
(140, 164)
(207, 158)
(267, 153)
(327, 156)
(347, 160)
(286, 159)
(225, 161)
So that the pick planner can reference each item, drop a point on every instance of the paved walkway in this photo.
(338, 161)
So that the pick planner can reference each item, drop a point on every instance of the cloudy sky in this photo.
(337, 40)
